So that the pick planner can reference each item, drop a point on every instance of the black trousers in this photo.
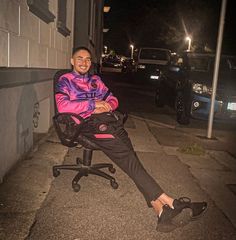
(109, 134)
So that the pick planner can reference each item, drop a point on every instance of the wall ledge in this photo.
(13, 77)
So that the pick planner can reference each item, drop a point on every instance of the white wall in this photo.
(28, 42)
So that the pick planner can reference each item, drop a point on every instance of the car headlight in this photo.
(201, 89)
(141, 66)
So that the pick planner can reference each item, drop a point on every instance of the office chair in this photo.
(69, 134)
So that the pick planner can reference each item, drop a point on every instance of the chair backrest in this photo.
(56, 78)
(65, 126)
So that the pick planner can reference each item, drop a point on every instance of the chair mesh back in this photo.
(56, 78)
(67, 130)
(65, 127)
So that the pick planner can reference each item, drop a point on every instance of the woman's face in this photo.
(81, 61)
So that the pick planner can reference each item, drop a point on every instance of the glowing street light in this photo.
(105, 49)
(132, 51)
(106, 9)
(189, 43)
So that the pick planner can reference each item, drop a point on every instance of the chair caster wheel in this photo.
(56, 173)
(76, 187)
(112, 170)
(114, 185)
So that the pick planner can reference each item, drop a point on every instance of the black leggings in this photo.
(119, 149)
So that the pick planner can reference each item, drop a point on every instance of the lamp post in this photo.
(189, 43)
(132, 51)
(216, 67)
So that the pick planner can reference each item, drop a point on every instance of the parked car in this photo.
(128, 65)
(112, 63)
(150, 62)
(186, 85)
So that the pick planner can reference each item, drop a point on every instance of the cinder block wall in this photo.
(30, 52)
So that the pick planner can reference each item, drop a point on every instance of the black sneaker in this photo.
(164, 223)
(198, 209)
(189, 210)
(182, 202)
(183, 212)
(171, 218)
(168, 214)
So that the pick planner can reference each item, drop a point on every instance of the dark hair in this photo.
(75, 50)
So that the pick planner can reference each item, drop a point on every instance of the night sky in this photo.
(165, 23)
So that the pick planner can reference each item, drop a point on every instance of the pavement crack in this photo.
(30, 230)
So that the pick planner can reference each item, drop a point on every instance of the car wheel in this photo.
(159, 99)
(182, 111)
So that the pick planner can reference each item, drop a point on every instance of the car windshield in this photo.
(199, 63)
(225, 64)
(207, 63)
(154, 54)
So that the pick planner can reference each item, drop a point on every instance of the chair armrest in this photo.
(67, 129)
(69, 114)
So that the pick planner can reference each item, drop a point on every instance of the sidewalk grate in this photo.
(232, 187)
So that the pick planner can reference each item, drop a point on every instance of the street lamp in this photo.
(105, 49)
(189, 43)
(106, 9)
(132, 51)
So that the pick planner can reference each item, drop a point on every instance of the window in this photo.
(40, 8)
(224, 65)
(61, 21)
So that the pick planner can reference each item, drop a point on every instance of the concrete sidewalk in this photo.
(34, 205)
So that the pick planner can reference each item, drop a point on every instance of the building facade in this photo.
(36, 39)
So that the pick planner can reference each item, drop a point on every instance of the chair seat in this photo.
(86, 143)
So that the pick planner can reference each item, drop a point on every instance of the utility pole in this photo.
(216, 67)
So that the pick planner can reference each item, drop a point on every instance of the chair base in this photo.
(84, 170)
